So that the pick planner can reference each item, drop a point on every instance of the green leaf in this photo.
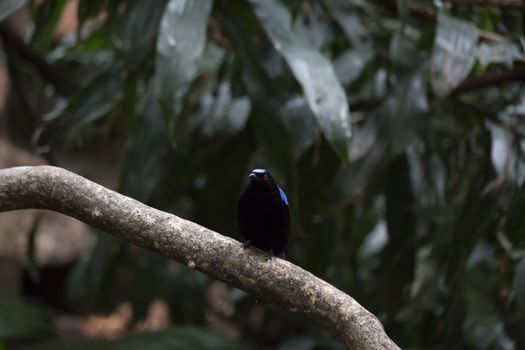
(346, 14)
(312, 25)
(32, 266)
(48, 15)
(211, 59)
(395, 123)
(180, 45)
(505, 52)
(19, 317)
(93, 102)
(271, 131)
(221, 113)
(402, 10)
(145, 148)
(90, 274)
(506, 161)
(314, 72)
(302, 124)
(482, 326)
(454, 53)
(350, 64)
(7, 7)
(134, 31)
(89, 9)
(402, 49)
(405, 107)
(519, 287)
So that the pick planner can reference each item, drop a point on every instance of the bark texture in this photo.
(274, 281)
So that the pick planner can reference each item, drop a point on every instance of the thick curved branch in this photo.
(274, 281)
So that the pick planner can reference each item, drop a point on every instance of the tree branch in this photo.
(422, 10)
(489, 79)
(274, 281)
(519, 4)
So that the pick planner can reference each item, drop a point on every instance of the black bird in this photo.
(264, 215)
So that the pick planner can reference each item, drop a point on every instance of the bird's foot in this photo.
(268, 255)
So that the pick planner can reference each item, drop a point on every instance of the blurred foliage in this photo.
(413, 203)
(180, 338)
(19, 317)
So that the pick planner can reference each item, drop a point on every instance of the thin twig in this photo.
(489, 79)
(519, 4)
(422, 10)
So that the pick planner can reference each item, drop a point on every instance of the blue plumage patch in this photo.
(283, 195)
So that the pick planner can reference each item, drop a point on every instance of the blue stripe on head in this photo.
(259, 171)
(283, 195)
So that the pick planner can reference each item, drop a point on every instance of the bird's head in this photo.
(260, 176)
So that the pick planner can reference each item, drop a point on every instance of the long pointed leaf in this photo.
(7, 7)
(324, 93)
(454, 53)
(181, 43)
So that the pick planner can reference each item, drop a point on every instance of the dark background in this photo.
(412, 202)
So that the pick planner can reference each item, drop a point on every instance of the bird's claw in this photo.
(268, 256)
